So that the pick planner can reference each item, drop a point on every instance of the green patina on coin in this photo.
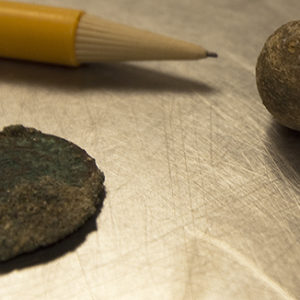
(48, 188)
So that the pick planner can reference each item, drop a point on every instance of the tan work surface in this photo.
(202, 186)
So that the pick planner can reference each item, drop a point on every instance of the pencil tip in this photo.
(211, 54)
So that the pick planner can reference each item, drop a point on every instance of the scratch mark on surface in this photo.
(188, 282)
(137, 130)
(210, 136)
(275, 164)
(287, 165)
(168, 160)
(185, 162)
(211, 145)
(59, 121)
(202, 188)
(114, 224)
(90, 116)
(244, 261)
(190, 261)
(148, 254)
(188, 285)
(84, 275)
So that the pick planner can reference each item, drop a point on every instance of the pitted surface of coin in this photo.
(48, 188)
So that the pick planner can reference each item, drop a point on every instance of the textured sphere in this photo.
(278, 74)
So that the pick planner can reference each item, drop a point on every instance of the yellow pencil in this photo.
(71, 37)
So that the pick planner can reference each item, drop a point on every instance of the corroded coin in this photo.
(48, 188)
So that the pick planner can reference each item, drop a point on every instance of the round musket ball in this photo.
(278, 74)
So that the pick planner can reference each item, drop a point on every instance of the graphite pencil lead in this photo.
(211, 54)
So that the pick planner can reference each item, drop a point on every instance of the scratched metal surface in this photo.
(202, 186)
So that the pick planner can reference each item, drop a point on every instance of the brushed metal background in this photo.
(202, 186)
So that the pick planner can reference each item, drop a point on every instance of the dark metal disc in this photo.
(48, 188)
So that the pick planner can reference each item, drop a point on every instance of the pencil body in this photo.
(38, 33)
(70, 37)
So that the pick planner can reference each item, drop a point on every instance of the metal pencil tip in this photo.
(211, 54)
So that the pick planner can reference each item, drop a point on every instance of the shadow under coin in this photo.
(121, 77)
(284, 146)
(47, 254)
